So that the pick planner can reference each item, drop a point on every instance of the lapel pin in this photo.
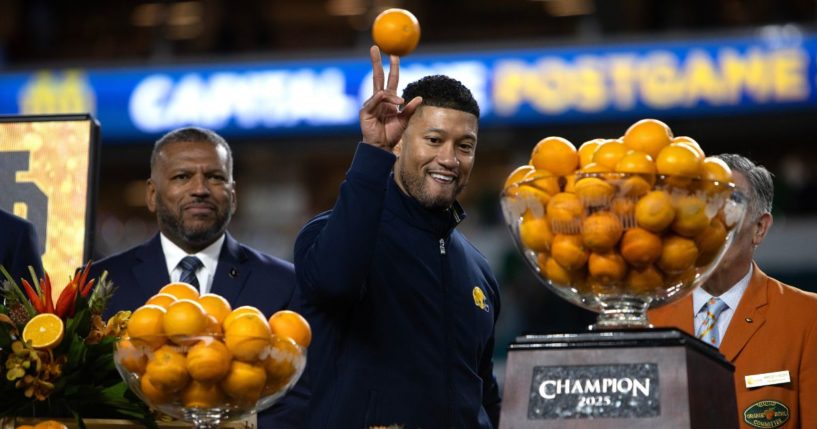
(233, 272)
(748, 320)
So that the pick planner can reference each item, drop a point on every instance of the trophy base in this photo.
(653, 378)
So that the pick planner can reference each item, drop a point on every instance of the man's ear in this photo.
(398, 148)
(150, 196)
(762, 226)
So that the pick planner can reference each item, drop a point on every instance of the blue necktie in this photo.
(708, 330)
(189, 266)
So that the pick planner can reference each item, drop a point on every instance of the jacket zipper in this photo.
(442, 246)
(446, 327)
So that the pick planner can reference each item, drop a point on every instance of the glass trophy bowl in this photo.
(199, 379)
(621, 243)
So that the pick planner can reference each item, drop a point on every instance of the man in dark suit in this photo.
(18, 247)
(192, 192)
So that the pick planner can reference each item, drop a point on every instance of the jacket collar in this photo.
(439, 222)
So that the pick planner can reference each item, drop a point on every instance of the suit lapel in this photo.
(150, 269)
(749, 316)
(231, 272)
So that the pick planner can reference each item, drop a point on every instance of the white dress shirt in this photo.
(208, 257)
(731, 297)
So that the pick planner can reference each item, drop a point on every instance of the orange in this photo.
(181, 290)
(679, 159)
(281, 363)
(208, 361)
(202, 395)
(648, 136)
(690, 216)
(50, 424)
(535, 233)
(607, 267)
(716, 174)
(601, 231)
(710, 241)
(586, 151)
(609, 153)
(185, 318)
(146, 326)
(677, 254)
(244, 382)
(594, 191)
(564, 212)
(24, 427)
(244, 309)
(131, 357)
(543, 180)
(644, 280)
(153, 395)
(396, 31)
(517, 175)
(247, 337)
(636, 162)
(594, 167)
(533, 199)
(555, 155)
(161, 299)
(216, 306)
(636, 186)
(289, 324)
(569, 251)
(640, 247)
(689, 141)
(654, 211)
(44, 331)
(167, 369)
(553, 271)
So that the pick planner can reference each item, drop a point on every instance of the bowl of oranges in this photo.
(196, 359)
(622, 225)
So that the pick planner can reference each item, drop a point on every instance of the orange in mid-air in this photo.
(396, 31)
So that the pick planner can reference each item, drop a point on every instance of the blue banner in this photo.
(513, 87)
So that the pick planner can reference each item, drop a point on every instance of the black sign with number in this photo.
(594, 391)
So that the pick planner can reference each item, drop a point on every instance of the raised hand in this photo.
(382, 122)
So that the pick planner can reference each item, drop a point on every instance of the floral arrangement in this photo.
(57, 357)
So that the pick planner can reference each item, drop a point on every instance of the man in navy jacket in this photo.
(402, 306)
(192, 192)
(18, 247)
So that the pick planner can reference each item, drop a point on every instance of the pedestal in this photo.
(658, 378)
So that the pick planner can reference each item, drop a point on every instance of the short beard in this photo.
(197, 239)
(415, 186)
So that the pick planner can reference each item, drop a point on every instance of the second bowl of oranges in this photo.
(196, 359)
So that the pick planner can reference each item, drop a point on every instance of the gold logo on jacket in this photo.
(479, 298)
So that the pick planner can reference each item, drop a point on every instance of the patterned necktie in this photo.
(708, 330)
(189, 266)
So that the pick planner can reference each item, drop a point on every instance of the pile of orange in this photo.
(198, 352)
(626, 215)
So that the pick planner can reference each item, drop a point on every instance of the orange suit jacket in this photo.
(773, 329)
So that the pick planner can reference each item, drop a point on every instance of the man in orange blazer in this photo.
(768, 329)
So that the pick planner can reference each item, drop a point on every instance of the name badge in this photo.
(767, 379)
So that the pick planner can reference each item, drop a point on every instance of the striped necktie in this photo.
(708, 330)
(189, 266)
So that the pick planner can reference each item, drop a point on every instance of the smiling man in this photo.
(192, 192)
(402, 306)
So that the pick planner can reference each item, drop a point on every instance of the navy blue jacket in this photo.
(243, 276)
(402, 309)
(18, 247)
